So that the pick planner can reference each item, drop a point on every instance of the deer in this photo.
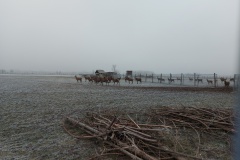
(160, 79)
(104, 79)
(198, 80)
(170, 80)
(78, 78)
(110, 79)
(223, 79)
(209, 81)
(232, 79)
(96, 79)
(226, 83)
(128, 79)
(116, 80)
(138, 79)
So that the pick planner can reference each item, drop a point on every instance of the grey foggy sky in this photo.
(163, 36)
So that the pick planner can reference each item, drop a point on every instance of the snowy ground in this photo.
(32, 109)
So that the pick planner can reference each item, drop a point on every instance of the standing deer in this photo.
(223, 79)
(209, 81)
(226, 83)
(78, 78)
(138, 79)
(128, 79)
(232, 79)
(160, 79)
(198, 80)
(170, 80)
(116, 80)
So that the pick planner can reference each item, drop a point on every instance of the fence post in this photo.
(140, 76)
(194, 77)
(181, 79)
(236, 82)
(146, 78)
(152, 78)
(161, 78)
(170, 78)
(234, 79)
(215, 80)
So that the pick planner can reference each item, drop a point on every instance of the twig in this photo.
(115, 118)
(133, 121)
(105, 154)
(140, 137)
(133, 130)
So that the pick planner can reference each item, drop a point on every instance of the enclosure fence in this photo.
(195, 79)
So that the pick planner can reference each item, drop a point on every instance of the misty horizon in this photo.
(156, 36)
(135, 72)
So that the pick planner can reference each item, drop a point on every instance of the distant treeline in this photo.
(2, 71)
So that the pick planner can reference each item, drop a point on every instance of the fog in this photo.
(171, 36)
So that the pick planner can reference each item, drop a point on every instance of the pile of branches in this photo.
(122, 135)
(198, 118)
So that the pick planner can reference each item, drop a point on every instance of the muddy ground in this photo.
(33, 107)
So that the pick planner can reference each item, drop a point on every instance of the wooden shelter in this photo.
(128, 74)
(100, 72)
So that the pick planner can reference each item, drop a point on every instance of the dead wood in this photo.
(148, 141)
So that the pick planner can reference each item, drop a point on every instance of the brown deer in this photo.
(138, 79)
(128, 79)
(116, 80)
(160, 79)
(226, 83)
(78, 78)
(223, 79)
(104, 79)
(198, 80)
(96, 79)
(209, 81)
(88, 78)
(110, 79)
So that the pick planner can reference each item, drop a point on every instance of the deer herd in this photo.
(99, 79)
(107, 80)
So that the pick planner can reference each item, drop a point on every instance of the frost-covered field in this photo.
(32, 109)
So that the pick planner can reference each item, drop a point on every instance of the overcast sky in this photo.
(163, 36)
